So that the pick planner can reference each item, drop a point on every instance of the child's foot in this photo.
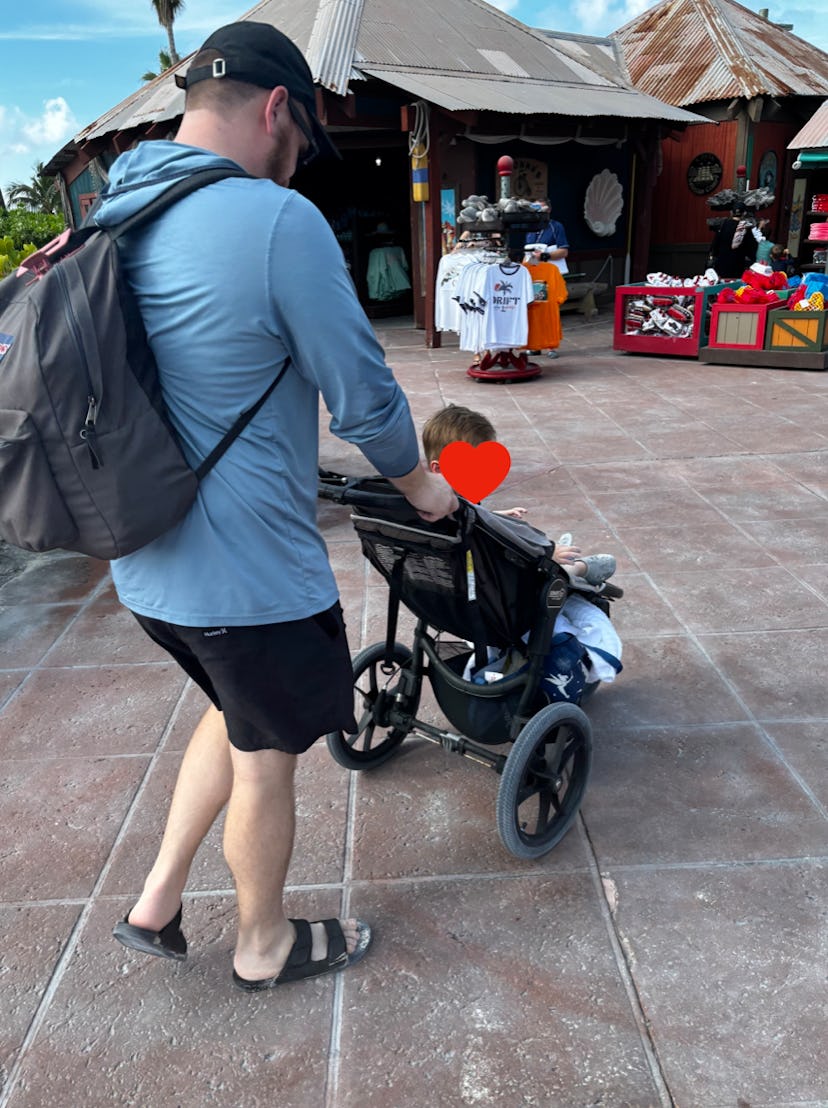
(599, 567)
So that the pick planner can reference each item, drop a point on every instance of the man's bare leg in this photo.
(258, 844)
(203, 788)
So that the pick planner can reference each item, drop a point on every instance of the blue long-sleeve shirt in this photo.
(231, 281)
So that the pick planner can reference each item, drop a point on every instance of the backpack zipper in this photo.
(87, 432)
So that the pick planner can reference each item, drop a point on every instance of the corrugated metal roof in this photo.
(695, 51)
(332, 43)
(815, 132)
(459, 92)
(456, 53)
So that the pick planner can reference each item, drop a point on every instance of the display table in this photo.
(692, 302)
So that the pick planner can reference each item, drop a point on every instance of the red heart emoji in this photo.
(474, 471)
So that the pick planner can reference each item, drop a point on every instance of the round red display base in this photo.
(505, 365)
(499, 373)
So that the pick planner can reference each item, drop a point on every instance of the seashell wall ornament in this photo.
(603, 203)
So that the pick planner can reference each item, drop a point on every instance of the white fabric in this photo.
(591, 627)
(508, 293)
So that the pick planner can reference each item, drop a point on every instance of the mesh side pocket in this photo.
(33, 514)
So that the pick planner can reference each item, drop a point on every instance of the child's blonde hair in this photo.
(455, 424)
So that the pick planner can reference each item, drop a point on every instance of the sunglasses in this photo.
(311, 150)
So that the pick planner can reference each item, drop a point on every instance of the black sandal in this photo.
(169, 942)
(299, 964)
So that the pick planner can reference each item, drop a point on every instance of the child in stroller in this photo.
(455, 423)
(475, 577)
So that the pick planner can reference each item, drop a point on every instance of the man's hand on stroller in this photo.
(429, 493)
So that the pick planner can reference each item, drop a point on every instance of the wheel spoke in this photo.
(548, 778)
(367, 735)
(362, 726)
(377, 709)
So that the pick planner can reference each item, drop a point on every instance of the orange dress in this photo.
(545, 309)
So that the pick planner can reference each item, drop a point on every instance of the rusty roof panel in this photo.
(815, 132)
(734, 51)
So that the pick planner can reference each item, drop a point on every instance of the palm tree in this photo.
(41, 194)
(164, 62)
(167, 10)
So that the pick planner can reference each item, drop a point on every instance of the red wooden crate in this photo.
(667, 345)
(739, 326)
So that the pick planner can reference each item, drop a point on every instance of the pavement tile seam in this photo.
(624, 967)
(77, 609)
(712, 864)
(58, 971)
(63, 961)
(749, 716)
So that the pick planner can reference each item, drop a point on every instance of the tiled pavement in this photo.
(671, 951)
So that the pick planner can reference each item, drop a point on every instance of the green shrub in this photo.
(22, 227)
(10, 257)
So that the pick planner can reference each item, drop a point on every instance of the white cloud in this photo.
(593, 16)
(26, 139)
(507, 6)
(55, 124)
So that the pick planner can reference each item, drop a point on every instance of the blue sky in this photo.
(65, 62)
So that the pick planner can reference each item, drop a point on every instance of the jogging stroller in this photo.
(476, 583)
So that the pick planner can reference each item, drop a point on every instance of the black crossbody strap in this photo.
(180, 188)
(237, 428)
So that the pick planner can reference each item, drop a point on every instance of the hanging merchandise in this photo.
(418, 143)
(545, 310)
(494, 301)
(467, 251)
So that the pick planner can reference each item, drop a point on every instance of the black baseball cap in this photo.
(258, 54)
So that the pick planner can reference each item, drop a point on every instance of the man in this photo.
(550, 244)
(232, 281)
(733, 249)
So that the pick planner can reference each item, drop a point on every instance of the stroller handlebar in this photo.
(375, 494)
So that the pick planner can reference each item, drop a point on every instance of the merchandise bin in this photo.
(695, 299)
(790, 331)
(738, 326)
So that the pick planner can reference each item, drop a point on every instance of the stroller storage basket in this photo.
(484, 713)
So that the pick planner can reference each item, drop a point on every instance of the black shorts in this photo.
(280, 685)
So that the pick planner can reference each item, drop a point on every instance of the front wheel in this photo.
(377, 708)
(544, 780)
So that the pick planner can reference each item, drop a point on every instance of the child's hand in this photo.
(566, 555)
(512, 513)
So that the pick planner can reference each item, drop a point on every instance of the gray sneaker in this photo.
(564, 540)
(599, 568)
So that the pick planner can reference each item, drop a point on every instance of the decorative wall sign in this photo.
(703, 174)
(768, 168)
(603, 203)
(529, 179)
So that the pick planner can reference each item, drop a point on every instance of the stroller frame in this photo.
(544, 774)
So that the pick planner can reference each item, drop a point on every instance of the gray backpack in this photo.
(88, 459)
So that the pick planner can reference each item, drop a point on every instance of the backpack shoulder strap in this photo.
(180, 188)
